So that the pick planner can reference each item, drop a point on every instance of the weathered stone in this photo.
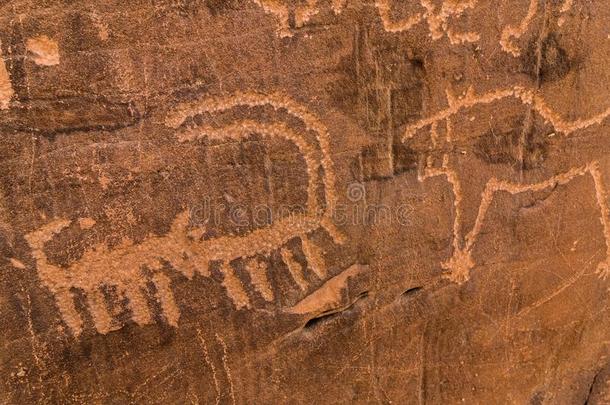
(304, 201)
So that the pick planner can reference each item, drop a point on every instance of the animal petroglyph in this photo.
(123, 267)
(514, 32)
(6, 87)
(461, 262)
(522, 94)
(302, 14)
(436, 18)
(316, 155)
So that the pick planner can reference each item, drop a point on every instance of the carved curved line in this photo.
(279, 102)
(383, 7)
(245, 128)
(435, 18)
(525, 96)
(494, 186)
(517, 31)
(301, 14)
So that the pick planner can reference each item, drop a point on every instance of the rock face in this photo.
(305, 201)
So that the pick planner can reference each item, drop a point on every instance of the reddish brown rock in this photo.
(294, 201)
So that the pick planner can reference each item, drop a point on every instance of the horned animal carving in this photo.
(122, 267)
(461, 261)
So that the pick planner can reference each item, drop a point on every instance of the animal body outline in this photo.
(461, 262)
(122, 267)
(434, 16)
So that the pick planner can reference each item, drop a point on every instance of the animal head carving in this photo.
(130, 266)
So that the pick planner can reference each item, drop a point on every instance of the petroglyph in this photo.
(461, 262)
(6, 87)
(17, 263)
(294, 268)
(524, 95)
(328, 296)
(314, 159)
(182, 247)
(592, 169)
(565, 8)
(208, 361)
(86, 223)
(438, 22)
(258, 274)
(176, 188)
(315, 156)
(437, 19)
(302, 14)
(511, 33)
(43, 50)
(314, 257)
(234, 288)
(225, 365)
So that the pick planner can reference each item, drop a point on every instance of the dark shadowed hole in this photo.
(411, 291)
(327, 316)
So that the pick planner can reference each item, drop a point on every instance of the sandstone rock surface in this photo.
(305, 201)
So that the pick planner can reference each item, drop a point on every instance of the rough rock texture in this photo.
(308, 201)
